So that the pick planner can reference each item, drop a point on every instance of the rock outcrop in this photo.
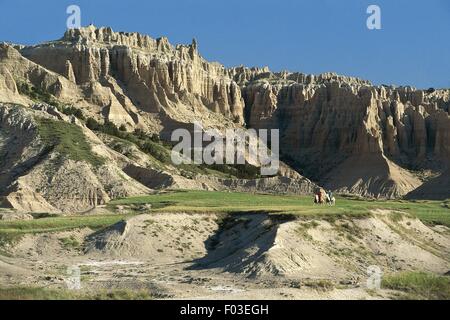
(38, 176)
(341, 132)
(348, 135)
(133, 73)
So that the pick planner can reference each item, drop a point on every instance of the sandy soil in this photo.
(204, 256)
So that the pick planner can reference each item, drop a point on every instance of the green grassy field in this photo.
(432, 212)
(13, 230)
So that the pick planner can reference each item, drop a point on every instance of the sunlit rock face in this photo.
(154, 75)
(346, 133)
(342, 132)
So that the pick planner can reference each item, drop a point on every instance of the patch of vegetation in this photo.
(70, 243)
(342, 252)
(311, 224)
(11, 231)
(303, 233)
(7, 240)
(396, 216)
(36, 94)
(71, 110)
(40, 215)
(150, 144)
(40, 95)
(160, 150)
(285, 206)
(419, 285)
(320, 284)
(36, 293)
(349, 230)
(67, 139)
(241, 171)
(302, 229)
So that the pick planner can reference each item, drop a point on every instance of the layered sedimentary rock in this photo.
(35, 176)
(138, 73)
(349, 135)
(341, 132)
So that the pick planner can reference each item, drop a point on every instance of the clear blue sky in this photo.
(311, 36)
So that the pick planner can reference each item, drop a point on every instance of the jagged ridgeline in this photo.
(120, 95)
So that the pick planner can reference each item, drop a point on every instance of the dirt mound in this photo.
(50, 246)
(437, 188)
(371, 176)
(7, 269)
(259, 245)
(265, 245)
(164, 238)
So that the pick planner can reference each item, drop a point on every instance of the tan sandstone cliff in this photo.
(341, 132)
(349, 135)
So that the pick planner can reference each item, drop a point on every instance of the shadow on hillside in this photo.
(240, 241)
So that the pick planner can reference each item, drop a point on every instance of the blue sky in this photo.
(311, 36)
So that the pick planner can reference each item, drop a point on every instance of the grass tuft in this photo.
(419, 285)
(36, 293)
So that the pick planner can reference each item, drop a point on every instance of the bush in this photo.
(111, 129)
(73, 111)
(92, 124)
(37, 94)
(240, 171)
(158, 152)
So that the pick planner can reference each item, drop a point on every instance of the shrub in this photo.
(92, 124)
(36, 94)
(73, 111)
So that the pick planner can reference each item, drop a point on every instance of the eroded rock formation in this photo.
(349, 135)
(341, 132)
(125, 71)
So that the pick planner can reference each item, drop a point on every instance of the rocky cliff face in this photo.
(342, 132)
(51, 162)
(37, 175)
(347, 134)
(126, 73)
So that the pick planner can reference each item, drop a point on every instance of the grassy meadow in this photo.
(430, 212)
